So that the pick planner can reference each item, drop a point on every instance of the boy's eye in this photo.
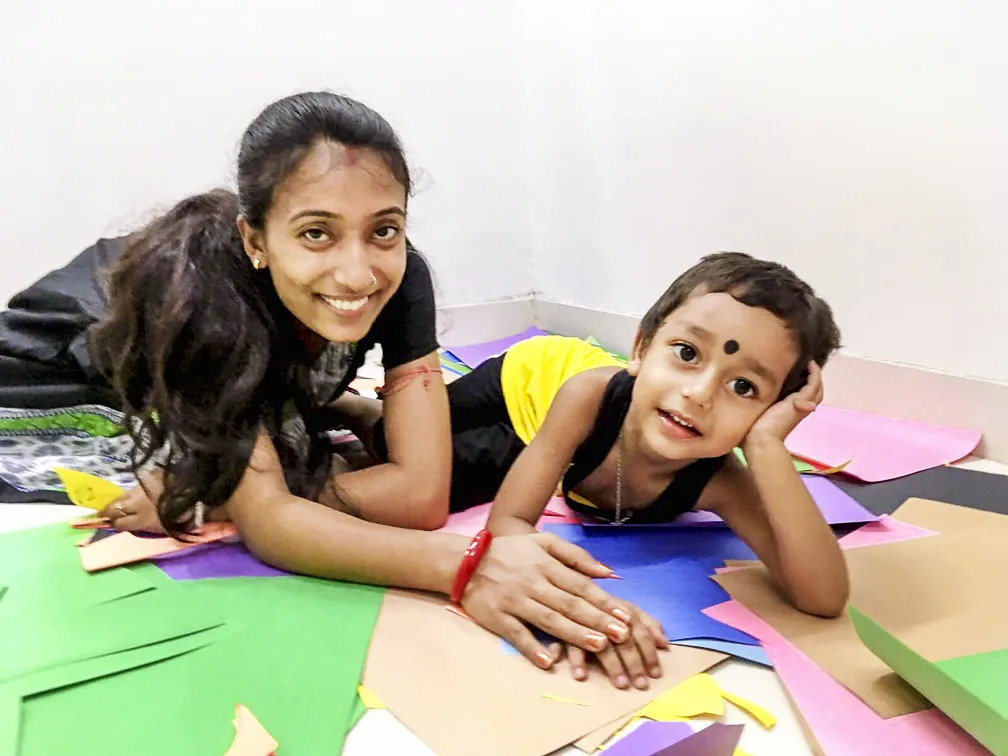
(742, 387)
(685, 352)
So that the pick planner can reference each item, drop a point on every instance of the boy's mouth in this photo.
(678, 425)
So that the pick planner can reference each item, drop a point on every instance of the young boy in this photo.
(729, 356)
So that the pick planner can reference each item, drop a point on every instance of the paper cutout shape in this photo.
(714, 740)
(885, 530)
(474, 355)
(649, 738)
(698, 696)
(86, 490)
(880, 448)
(414, 680)
(976, 700)
(967, 488)
(369, 698)
(126, 548)
(563, 699)
(754, 710)
(251, 738)
(219, 560)
(841, 722)
(754, 654)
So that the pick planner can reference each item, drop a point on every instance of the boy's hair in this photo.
(756, 283)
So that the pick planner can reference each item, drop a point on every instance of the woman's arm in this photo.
(412, 489)
(533, 478)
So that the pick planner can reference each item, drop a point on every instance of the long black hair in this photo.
(196, 342)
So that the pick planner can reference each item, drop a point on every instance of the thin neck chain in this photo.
(619, 481)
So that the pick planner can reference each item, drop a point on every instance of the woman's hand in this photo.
(135, 510)
(633, 661)
(544, 581)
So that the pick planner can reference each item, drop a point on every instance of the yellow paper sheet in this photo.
(86, 490)
(757, 712)
(698, 696)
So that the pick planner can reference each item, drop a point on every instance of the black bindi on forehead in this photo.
(731, 346)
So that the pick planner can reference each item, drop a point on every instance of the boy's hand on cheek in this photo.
(630, 663)
(780, 419)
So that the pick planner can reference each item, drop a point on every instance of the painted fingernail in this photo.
(546, 659)
(597, 641)
(614, 576)
(641, 683)
(621, 614)
(622, 681)
(655, 671)
(617, 631)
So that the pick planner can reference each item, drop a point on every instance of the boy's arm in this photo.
(533, 477)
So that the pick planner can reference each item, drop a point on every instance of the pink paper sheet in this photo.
(841, 723)
(472, 521)
(880, 448)
(886, 529)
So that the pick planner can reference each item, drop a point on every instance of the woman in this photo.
(234, 322)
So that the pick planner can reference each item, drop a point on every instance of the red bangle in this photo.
(474, 554)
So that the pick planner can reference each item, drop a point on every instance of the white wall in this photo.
(111, 109)
(862, 143)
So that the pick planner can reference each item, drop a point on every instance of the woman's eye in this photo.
(315, 234)
(742, 387)
(685, 352)
(386, 233)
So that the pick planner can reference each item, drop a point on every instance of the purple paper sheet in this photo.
(714, 740)
(650, 738)
(836, 506)
(474, 355)
(215, 560)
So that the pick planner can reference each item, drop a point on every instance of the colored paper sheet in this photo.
(885, 530)
(842, 723)
(713, 740)
(217, 560)
(753, 654)
(86, 490)
(295, 662)
(984, 675)
(665, 572)
(949, 518)
(33, 642)
(967, 488)
(649, 738)
(751, 708)
(10, 723)
(696, 696)
(474, 355)
(878, 447)
(126, 548)
(837, 507)
(986, 720)
(471, 521)
(356, 714)
(369, 698)
(415, 679)
(251, 738)
(830, 643)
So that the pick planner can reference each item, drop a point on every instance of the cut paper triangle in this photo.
(369, 698)
(251, 738)
(126, 548)
(878, 448)
(86, 490)
(695, 697)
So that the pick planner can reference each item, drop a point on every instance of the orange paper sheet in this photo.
(126, 548)
(879, 448)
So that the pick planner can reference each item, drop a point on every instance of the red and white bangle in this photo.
(474, 554)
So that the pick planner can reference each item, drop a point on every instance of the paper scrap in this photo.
(563, 699)
(369, 698)
(754, 710)
(87, 490)
(879, 448)
(127, 548)
(714, 740)
(886, 529)
(251, 738)
(698, 696)
(841, 722)
(649, 738)
(754, 654)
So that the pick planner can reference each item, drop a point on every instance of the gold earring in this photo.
(257, 263)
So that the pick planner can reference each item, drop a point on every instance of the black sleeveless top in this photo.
(678, 498)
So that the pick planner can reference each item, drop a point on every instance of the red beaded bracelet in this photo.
(474, 554)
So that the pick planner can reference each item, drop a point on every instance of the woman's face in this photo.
(334, 240)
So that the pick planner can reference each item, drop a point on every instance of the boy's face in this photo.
(710, 371)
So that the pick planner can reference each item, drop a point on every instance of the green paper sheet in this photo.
(981, 716)
(984, 675)
(295, 663)
(34, 642)
(10, 723)
(358, 711)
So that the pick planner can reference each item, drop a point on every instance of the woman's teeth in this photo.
(345, 305)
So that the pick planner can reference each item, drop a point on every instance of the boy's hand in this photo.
(780, 419)
(629, 663)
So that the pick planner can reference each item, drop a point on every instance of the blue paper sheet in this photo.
(755, 654)
(665, 572)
